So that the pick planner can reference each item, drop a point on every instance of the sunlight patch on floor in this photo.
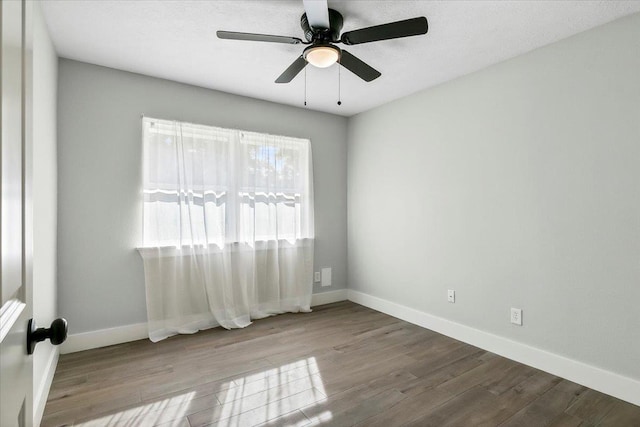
(321, 418)
(172, 408)
(272, 393)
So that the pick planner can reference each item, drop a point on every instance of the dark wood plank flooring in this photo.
(341, 365)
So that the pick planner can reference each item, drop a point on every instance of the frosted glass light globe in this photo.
(322, 56)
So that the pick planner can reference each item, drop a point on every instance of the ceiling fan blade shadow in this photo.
(317, 13)
(232, 35)
(392, 30)
(358, 67)
(292, 71)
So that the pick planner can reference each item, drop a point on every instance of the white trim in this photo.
(122, 334)
(9, 314)
(328, 297)
(104, 338)
(590, 376)
(42, 393)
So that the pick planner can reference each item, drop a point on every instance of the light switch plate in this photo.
(451, 295)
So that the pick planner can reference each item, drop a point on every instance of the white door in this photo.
(15, 214)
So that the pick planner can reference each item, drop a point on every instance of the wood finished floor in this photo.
(341, 365)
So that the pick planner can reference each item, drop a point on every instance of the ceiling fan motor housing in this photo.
(323, 35)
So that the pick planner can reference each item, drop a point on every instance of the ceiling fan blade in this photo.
(317, 13)
(357, 67)
(293, 70)
(392, 30)
(232, 35)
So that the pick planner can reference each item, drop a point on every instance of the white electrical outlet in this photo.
(516, 316)
(326, 276)
(316, 277)
(451, 295)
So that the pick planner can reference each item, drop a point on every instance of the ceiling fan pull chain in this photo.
(305, 86)
(339, 66)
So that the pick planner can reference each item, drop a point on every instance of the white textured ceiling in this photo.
(177, 40)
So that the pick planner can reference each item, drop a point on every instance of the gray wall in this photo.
(100, 275)
(45, 82)
(517, 186)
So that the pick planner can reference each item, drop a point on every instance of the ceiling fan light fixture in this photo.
(322, 28)
(322, 56)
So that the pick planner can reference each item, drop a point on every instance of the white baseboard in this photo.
(104, 337)
(42, 393)
(121, 334)
(328, 297)
(590, 376)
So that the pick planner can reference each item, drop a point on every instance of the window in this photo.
(205, 185)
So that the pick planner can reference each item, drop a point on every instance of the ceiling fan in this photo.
(321, 27)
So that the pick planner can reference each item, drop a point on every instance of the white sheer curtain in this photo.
(228, 226)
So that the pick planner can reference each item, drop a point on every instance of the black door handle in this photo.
(57, 333)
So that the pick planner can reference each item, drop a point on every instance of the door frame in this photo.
(16, 367)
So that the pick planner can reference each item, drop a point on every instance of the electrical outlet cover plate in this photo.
(326, 277)
(516, 316)
(316, 277)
